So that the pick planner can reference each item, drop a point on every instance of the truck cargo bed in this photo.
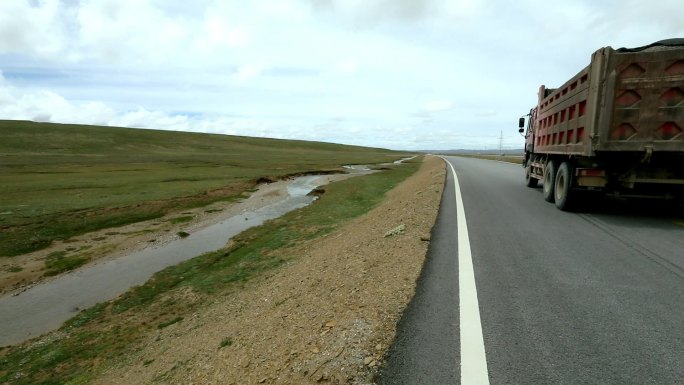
(624, 101)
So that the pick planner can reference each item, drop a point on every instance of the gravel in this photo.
(328, 316)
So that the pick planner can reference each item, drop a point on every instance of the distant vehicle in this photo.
(616, 127)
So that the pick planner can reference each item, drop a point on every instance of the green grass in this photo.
(57, 254)
(58, 181)
(57, 263)
(87, 315)
(112, 330)
(182, 219)
(225, 342)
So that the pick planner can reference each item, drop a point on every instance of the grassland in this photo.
(104, 334)
(58, 181)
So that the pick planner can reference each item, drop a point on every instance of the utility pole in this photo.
(501, 144)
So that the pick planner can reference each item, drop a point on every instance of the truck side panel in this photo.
(563, 119)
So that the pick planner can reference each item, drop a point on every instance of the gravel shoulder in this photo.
(328, 316)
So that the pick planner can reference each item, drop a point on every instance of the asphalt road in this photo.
(592, 297)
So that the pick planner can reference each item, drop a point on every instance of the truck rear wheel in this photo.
(563, 193)
(530, 181)
(549, 180)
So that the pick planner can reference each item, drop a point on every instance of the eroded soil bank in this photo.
(327, 316)
(22, 272)
(44, 307)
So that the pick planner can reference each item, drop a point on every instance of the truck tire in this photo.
(530, 181)
(563, 192)
(549, 180)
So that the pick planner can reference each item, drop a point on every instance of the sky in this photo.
(398, 74)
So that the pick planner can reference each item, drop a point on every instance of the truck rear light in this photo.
(591, 172)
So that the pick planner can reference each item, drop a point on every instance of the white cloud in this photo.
(250, 71)
(449, 73)
(218, 32)
(47, 106)
(433, 106)
(347, 66)
(129, 30)
(35, 29)
(366, 12)
(44, 105)
(486, 113)
(151, 119)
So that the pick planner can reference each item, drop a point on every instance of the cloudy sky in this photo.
(400, 74)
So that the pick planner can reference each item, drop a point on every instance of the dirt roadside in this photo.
(327, 316)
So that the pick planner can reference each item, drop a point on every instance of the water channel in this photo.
(47, 305)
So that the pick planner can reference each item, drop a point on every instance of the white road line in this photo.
(473, 358)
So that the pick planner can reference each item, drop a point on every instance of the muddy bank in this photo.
(24, 271)
(34, 310)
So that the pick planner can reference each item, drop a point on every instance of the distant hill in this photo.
(24, 141)
(61, 180)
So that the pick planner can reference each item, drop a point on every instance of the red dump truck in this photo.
(617, 127)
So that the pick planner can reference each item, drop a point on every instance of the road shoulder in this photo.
(328, 315)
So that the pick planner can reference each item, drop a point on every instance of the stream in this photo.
(45, 306)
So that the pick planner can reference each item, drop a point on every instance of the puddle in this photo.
(46, 306)
(402, 160)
